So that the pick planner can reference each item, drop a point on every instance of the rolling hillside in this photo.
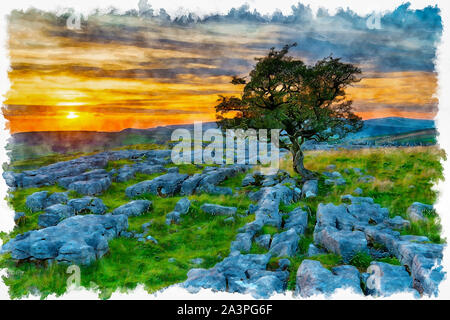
(26, 145)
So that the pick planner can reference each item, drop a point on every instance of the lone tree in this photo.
(304, 102)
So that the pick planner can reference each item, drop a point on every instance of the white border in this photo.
(202, 7)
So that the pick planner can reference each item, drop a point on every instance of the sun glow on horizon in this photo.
(72, 115)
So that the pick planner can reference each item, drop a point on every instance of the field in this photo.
(403, 176)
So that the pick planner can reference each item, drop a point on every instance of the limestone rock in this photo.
(218, 210)
(133, 208)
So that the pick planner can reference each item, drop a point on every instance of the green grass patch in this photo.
(116, 164)
(391, 260)
(361, 260)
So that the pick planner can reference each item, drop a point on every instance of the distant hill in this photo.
(27, 145)
(391, 126)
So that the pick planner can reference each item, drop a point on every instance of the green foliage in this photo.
(118, 164)
(304, 243)
(257, 249)
(361, 260)
(140, 146)
(430, 228)
(391, 260)
(187, 168)
(269, 230)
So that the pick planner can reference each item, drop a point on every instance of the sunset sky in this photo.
(129, 71)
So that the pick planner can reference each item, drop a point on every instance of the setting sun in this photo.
(72, 115)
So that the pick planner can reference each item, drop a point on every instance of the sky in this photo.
(143, 68)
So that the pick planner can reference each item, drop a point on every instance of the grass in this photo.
(140, 146)
(361, 260)
(116, 164)
(403, 176)
(130, 262)
(391, 260)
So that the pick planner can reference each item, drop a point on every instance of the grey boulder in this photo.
(313, 279)
(264, 240)
(397, 223)
(77, 239)
(181, 208)
(42, 199)
(297, 219)
(166, 185)
(314, 251)
(91, 187)
(243, 243)
(54, 214)
(218, 210)
(416, 210)
(285, 243)
(87, 204)
(133, 208)
(310, 188)
(183, 205)
(386, 279)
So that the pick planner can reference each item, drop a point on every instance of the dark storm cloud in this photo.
(406, 40)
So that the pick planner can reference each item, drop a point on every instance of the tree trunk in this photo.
(299, 167)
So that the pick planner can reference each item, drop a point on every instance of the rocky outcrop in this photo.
(218, 210)
(246, 273)
(268, 205)
(351, 228)
(264, 241)
(314, 279)
(78, 240)
(416, 210)
(208, 180)
(259, 179)
(54, 214)
(181, 208)
(310, 189)
(128, 172)
(386, 279)
(166, 185)
(243, 243)
(76, 169)
(40, 200)
(397, 223)
(334, 231)
(285, 244)
(314, 251)
(239, 273)
(298, 220)
(133, 208)
(87, 205)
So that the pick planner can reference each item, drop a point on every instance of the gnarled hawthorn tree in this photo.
(304, 102)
